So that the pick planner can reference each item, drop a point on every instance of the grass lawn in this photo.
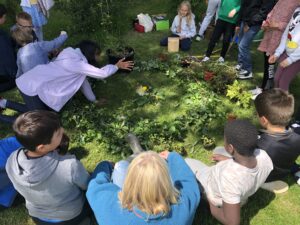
(80, 118)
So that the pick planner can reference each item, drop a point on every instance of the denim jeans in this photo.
(245, 40)
(184, 44)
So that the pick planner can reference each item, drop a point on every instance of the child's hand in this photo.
(218, 157)
(63, 32)
(125, 65)
(246, 28)
(232, 13)
(164, 154)
(284, 63)
(272, 59)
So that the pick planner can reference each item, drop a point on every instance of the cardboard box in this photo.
(161, 22)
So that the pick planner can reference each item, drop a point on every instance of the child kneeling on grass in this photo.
(51, 184)
(183, 26)
(275, 108)
(240, 171)
(158, 189)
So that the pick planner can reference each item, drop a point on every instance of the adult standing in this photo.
(212, 9)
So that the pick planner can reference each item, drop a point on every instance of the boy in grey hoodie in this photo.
(51, 184)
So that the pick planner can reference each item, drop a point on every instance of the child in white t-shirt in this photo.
(240, 171)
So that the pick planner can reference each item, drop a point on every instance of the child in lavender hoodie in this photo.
(52, 85)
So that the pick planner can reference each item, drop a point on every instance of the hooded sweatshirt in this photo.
(290, 40)
(56, 82)
(51, 185)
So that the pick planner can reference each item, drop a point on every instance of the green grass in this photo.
(262, 208)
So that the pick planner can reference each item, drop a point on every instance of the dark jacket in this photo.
(283, 149)
(254, 12)
(8, 62)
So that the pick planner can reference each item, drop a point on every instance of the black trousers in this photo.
(225, 28)
(7, 83)
(269, 72)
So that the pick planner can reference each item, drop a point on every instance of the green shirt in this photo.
(226, 7)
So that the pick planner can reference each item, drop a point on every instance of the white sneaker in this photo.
(256, 91)
(221, 60)
(244, 74)
(199, 38)
(205, 59)
(238, 67)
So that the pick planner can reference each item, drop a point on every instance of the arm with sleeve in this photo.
(184, 179)
(48, 46)
(280, 49)
(175, 24)
(80, 176)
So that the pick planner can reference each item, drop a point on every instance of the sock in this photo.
(3, 103)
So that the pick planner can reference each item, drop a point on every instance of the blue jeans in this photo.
(245, 40)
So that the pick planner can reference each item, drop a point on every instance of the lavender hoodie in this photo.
(55, 83)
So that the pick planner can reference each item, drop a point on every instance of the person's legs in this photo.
(87, 91)
(119, 173)
(244, 47)
(215, 36)
(269, 70)
(185, 44)
(7, 83)
(287, 74)
(164, 41)
(34, 103)
(210, 12)
(227, 35)
(240, 37)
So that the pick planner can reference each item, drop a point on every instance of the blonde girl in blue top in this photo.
(183, 26)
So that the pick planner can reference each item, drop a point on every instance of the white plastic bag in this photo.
(145, 20)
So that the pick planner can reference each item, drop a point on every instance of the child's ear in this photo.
(230, 149)
(40, 149)
(263, 121)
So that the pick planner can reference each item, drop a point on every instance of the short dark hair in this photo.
(24, 16)
(3, 10)
(89, 49)
(35, 128)
(276, 105)
(242, 135)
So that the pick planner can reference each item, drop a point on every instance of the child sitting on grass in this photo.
(34, 53)
(51, 184)
(240, 171)
(158, 189)
(183, 26)
(275, 108)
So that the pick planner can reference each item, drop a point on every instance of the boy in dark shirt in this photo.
(275, 108)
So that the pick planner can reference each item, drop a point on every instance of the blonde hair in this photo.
(22, 37)
(148, 185)
(189, 16)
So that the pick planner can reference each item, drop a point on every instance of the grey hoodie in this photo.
(51, 185)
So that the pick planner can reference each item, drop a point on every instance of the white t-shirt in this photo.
(233, 183)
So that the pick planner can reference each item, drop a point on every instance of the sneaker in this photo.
(244, 74)
(238, 67)
(256, 91)
(134, 144)
(199, 38)
(221, 60)
(205, 59)
(3, 102)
